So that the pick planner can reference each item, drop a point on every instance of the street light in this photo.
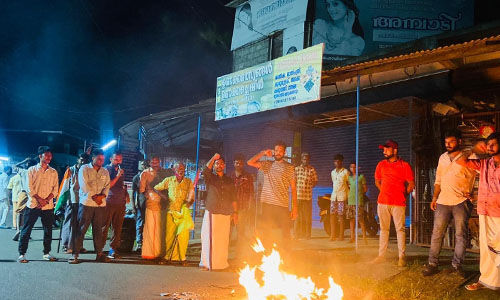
(109, 145)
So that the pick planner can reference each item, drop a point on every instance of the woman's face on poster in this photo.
(336, 9)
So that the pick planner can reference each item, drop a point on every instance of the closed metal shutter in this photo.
(249, 140)
(324, 144)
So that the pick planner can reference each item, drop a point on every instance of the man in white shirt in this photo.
(452, 189)
(4, 195)
(22, 198)
(340, 191)
(43, 184)
(15, 188)
(94, 187)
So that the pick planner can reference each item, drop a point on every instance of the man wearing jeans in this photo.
(138, 204)
(451, 193)
(42, 189)
(394, 179)
(93, 179)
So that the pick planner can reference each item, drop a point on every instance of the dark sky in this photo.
(86, 65)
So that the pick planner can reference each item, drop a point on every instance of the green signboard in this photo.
(285, 81)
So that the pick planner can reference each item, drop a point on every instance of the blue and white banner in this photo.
(257, 19)
(291, 79)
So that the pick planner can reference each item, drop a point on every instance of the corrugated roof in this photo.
(443, 53)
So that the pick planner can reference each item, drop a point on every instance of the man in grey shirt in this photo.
(94, 180)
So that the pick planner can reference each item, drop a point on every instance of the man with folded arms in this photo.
(94, 180)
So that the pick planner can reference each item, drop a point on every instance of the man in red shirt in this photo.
(394, 179)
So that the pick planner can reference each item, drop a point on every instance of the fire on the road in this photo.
(276, 284)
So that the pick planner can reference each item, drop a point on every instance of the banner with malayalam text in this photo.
(285, 81)
(357, 27)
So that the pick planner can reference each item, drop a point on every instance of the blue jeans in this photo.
(140, 216)
(31, 215)
(442, 216)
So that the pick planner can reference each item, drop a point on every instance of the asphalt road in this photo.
(128, 278)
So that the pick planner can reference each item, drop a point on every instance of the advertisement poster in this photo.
(355, 27)
(293, 39)
(285, 81)
(256, 19)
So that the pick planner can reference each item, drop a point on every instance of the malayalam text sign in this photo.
(285, 81)
(357, 27)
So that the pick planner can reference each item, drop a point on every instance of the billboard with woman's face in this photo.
(355, 27)
(256, 19)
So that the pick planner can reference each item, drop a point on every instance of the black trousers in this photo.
(115, 213)
(31, 215)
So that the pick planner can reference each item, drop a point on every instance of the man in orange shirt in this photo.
(394, 179)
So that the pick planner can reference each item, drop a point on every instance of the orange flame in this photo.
(281, 285)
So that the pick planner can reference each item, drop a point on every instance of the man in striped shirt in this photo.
(279, 176)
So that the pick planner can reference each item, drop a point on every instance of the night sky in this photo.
(83, 66)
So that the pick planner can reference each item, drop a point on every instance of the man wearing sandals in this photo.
(94, 180)
(179, 221)
(43, 184)
(488, 209)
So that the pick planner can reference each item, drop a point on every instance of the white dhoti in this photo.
(215, 241)
(153, 241)
(489, 248)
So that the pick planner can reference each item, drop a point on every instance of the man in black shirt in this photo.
(220, 209)
(138, 206)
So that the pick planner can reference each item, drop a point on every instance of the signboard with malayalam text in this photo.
(355, 27)
(288, 80)
(256, 19)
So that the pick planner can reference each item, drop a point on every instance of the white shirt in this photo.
(340, 181)
(4, 181)
(455, 180)
(92, 183)
(24, 179)
(15, 186)
(42, 183)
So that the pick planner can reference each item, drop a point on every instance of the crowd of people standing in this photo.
(94, 194)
